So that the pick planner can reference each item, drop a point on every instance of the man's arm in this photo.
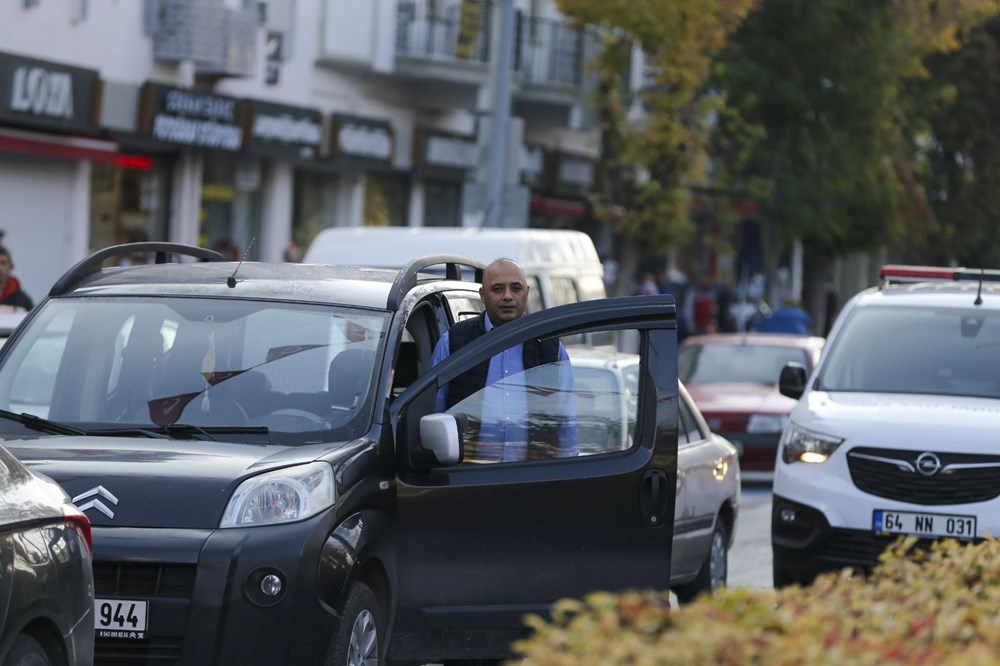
(441, 351)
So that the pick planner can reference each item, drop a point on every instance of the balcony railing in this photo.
(550, 51)
(461, 33)
(218, 40)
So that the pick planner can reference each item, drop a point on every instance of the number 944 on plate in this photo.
(120, 618)
(885, 521)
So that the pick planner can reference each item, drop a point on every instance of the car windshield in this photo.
(285, 373)
(916, 350)
(740, 363)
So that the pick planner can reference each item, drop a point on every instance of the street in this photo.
(750, 557)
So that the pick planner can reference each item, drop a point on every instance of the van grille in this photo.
(892, 474)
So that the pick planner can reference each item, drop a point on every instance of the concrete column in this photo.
(185, 202)
(78, 226)
(416, 205)
(350, 204)
(276, 208)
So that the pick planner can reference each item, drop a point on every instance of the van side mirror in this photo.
(792, 382)
(439, 435)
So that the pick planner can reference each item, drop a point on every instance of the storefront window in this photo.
(129, 203)
(230, 206)
(387, 199)
(442, 204)
(315, 206)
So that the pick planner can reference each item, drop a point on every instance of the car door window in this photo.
(689, 431)
(582, 405)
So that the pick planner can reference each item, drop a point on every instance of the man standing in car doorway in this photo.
(505, 431)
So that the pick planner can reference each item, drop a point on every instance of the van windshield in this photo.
(939, 351)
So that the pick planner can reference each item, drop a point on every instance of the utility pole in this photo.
(501, 119)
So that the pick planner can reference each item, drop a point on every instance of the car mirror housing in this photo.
(439, 435)
(792, 382)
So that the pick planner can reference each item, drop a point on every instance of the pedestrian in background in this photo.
(11, 294)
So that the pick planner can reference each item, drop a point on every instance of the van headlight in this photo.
(282, 496)
(800, 445)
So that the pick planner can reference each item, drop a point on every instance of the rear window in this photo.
(740, 363)
(916, 350)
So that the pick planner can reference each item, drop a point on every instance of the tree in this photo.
(962, 155)
(826, 81)
(650, 160)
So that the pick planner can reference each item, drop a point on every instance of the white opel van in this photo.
(562, 266)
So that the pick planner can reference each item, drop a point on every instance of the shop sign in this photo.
(285, 131)
(47, 94)
(187, 117)
(361, 138)
(443, 150)
(575, 173)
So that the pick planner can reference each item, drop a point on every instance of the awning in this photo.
(558, 207)
(59, 147)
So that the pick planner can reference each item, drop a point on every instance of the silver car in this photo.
(46, 576)
(708, 470)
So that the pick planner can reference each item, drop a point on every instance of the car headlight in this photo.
(800, 445)
(281, 496)
(766, 423)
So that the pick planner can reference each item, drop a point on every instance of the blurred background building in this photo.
(246, 125)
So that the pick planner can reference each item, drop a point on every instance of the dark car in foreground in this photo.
(733, 378)
(46, 583)
(257, 448)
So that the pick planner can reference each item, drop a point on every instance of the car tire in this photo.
(714, 569)
(26, 651)
(359, 638)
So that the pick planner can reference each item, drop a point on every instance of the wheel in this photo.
(26, 651)
(714, 569)
(358, 640)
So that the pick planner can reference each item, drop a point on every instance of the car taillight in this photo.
(81, 524)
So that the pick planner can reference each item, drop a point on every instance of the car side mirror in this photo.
(439, 435)
(792, 382)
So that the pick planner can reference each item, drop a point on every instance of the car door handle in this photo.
(653, 496)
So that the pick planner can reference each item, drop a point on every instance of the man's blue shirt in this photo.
(504, 416)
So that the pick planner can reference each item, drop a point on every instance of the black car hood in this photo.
(158, 482)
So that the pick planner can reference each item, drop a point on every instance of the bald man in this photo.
(504, 431)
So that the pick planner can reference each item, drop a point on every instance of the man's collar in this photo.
(487, 323)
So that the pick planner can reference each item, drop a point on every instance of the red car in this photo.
(733, 378)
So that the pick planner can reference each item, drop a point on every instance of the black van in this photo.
(257, 449)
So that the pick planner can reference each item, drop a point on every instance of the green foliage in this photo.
(917, 607)
(648, 166)
(960, 150)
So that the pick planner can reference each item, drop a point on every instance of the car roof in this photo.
(347, 285)
(946, 294)
(749, 338)
(395, 246)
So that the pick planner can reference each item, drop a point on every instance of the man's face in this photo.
(504, 291)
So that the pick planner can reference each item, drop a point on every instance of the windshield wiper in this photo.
(38, 423)
(182, 429)
(126, 432)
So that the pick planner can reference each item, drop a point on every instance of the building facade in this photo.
(247, 125)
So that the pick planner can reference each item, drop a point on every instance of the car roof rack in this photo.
(406, 279)
(94, 262)
(891, 274)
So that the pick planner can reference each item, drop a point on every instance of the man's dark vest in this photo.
(534, 353)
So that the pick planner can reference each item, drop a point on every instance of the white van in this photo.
(562, 266)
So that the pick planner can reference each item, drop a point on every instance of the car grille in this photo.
(133, 579)
(902, 482)
(147, 581)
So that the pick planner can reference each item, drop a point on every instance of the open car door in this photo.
(484, 537)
